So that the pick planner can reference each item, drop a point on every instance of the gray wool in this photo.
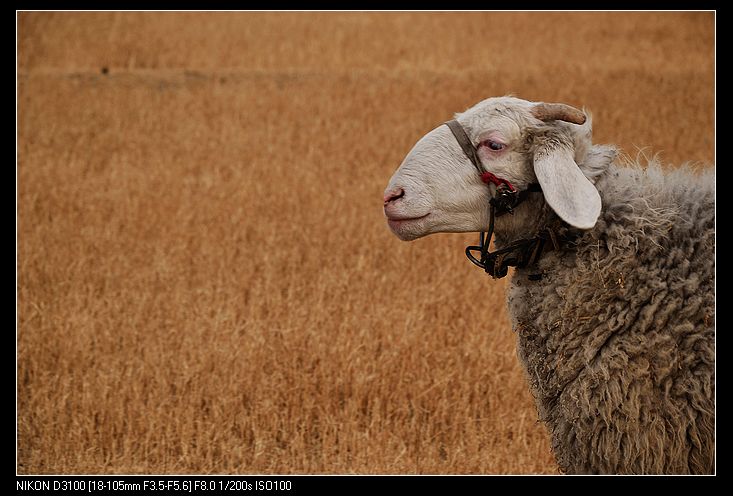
(618, 336)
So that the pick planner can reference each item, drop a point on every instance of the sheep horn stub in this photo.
(558, 112)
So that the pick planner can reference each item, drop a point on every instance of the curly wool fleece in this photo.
(618, 337)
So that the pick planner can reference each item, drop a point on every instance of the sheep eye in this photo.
(494, 145)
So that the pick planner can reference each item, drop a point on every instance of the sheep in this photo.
(614, 308)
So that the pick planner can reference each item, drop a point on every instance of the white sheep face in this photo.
(438, 189)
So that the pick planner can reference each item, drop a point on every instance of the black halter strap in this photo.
(520, 254)
(465, 142)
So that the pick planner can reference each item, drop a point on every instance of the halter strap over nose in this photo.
(465, 142)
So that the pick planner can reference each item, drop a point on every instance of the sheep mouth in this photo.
(397, 219)
(407, 228)
(397, 224)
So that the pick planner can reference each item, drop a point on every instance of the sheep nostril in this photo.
(394, 195)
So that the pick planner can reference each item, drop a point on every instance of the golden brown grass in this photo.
(206, 283)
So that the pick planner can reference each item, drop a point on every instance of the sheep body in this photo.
(617, 337)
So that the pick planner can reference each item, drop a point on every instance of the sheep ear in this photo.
(568, 192)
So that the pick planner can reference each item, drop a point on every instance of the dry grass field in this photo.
(206, 283)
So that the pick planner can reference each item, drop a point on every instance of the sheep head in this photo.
(437, 188)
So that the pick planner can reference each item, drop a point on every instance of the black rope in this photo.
(519, 254)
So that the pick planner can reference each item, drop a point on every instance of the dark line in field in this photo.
(258, 74)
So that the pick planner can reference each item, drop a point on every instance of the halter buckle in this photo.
(505, 199)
